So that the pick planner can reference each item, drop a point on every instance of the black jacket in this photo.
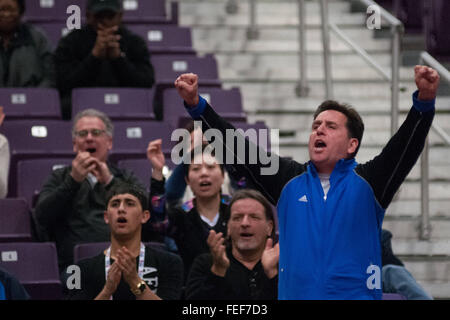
(163, 273)
(28, 62)
(76, 66)
(72, 212)
(239, 282)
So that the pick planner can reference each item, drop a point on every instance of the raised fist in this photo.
(187, 86)
(427, 81)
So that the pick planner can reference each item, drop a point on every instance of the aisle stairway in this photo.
(266, 71)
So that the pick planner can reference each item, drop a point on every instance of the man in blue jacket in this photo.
(331, 209)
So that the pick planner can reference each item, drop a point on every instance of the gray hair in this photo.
(95, 114)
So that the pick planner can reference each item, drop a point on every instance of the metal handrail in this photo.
(326, 49)
(394, 78)
(302, 88)
(425, 226)
(252, 32)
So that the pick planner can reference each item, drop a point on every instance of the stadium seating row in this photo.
(46, 144)
(118, 103)
(44, 103)
(160, 38)
(135, 11)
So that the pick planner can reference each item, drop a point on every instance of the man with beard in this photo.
(245, 266)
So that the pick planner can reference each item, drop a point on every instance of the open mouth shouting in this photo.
(205, 185)
(121, 221)
(246, 235)
(319, 145)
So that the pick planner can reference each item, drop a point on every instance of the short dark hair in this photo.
(192, 155)
(257, 196)
(130, 188)
(355, 125)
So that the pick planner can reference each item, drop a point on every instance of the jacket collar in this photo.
(342, 166)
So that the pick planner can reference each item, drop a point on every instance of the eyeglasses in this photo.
(93, 132)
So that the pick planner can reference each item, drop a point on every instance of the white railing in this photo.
(394, 77)
(425, 226)
(302, 88)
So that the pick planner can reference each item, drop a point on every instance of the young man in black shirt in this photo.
(247, 267)
(128, 269)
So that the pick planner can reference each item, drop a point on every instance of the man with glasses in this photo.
(72, 201)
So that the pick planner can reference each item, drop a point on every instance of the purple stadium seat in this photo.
(37, 138)
(38, 11)
(117, 103)
(261, 132)
(35, 265)
(30, 180)
(135, 11)
(131, 138)
(30, 103)
(87, 250)
(44, 10)
(53, 30)
(437, 25)
(31, 139)
(169, 67)
(165, 38)
(15, 221)
(141, 168)
(227, 103)
(144, 11)
(393, 296)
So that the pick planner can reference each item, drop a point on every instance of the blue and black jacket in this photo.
(330, 248)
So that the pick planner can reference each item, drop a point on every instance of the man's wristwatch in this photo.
(139, 288)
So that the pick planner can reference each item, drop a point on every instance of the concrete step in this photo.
(408, 228)
(345, 91)
(302, 122)
(439, 290)
(242, 60)
(271, 13)
(432, 273)
(411, 209)
(314, 45)
(284, 72)
(423, 249)
(232, 33)
(263, 6)
(435, 270)
(294, 105)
